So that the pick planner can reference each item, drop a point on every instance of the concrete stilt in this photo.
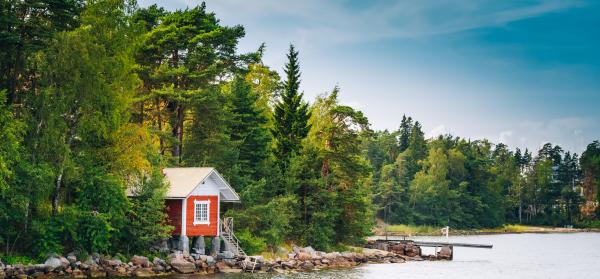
(184, 244)
(199, 247)
(216, 246)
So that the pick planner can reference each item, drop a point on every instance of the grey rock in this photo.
(308, 249)
(72, 259)
(159, 261)
(90, 261)
(210, 260)
(227, 255)
(282, 250)
(57, 262)
(195, 256)
(95, 257)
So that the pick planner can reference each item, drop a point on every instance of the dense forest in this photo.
(97, 96)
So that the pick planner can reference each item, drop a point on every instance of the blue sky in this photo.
(521, 72)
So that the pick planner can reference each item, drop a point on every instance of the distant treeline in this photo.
(472, 184)
(97, 96)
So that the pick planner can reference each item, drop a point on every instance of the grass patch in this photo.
(413, 229)
(16, 260)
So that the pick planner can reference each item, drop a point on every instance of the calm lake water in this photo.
(575, 255)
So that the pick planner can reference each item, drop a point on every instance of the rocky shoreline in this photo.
(300, 259)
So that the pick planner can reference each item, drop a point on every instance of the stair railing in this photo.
(227, 232)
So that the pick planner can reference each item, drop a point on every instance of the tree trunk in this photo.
(159, 124)
(57, 191)
(180, 118)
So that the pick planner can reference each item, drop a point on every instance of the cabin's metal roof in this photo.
(182, 181)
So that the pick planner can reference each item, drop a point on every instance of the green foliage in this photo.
(252, 245)
(291, 113)
(145, 221)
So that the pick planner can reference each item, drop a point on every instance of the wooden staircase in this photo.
(233, 243)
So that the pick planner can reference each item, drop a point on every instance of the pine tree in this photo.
(248, 132)
(405, 129)
(180, 60)
(291, 113)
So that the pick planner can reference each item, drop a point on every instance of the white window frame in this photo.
(198, 219)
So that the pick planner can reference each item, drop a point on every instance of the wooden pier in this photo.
(454, 244)
(444, 250)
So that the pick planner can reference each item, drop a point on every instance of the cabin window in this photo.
(201, 212)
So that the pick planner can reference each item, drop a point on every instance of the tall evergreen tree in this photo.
(405, 129)
(248, 132)
(291, 113)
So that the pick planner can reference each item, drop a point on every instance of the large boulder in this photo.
(182, 266)
(111, 262)
(140, 261)
(57, 262)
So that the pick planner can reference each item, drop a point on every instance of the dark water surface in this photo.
(573, 255)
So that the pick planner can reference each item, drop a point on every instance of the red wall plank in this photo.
(202, 229)
(173, 209)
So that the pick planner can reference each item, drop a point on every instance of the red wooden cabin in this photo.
(193, 200)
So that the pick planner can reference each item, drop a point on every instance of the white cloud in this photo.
(337, 21)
